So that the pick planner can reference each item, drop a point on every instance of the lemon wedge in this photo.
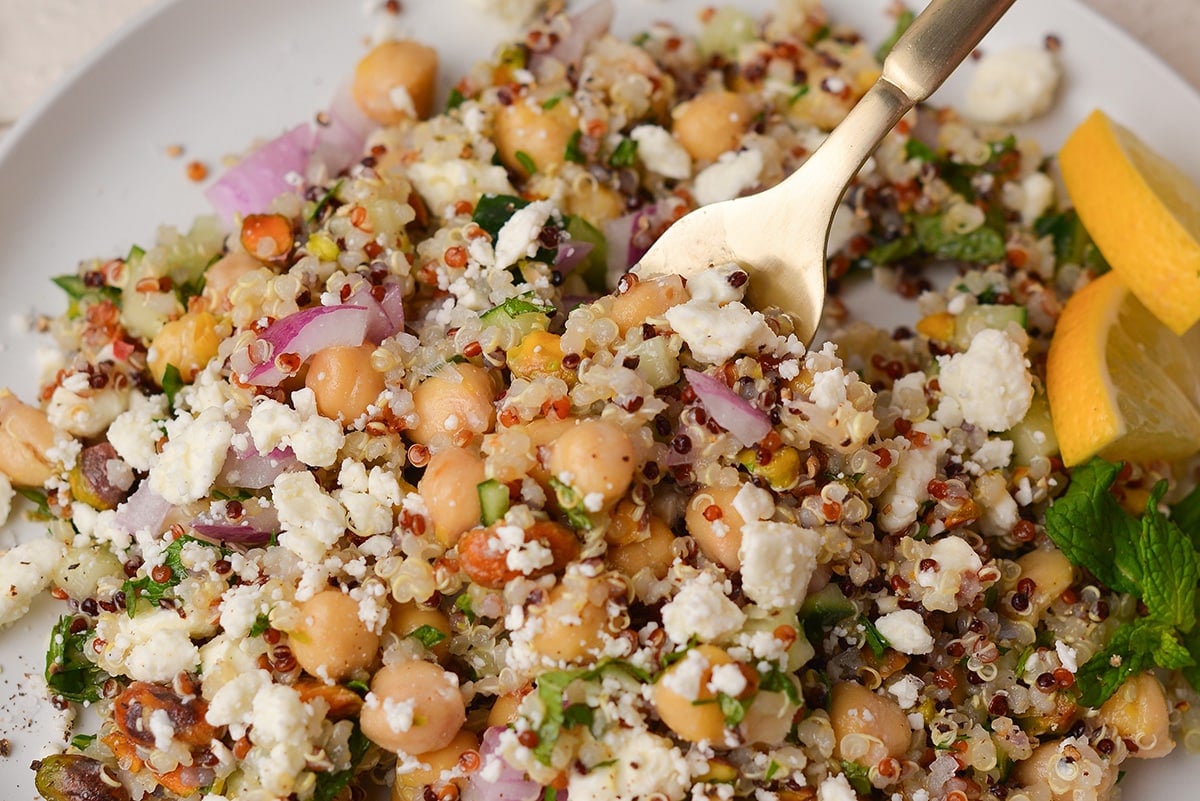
(1142, 212)
(1120, 383)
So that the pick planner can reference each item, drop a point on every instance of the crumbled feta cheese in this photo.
(153, 645)
(25, 571)
(990, 382)
(701, 609)
(906, 690)
(753, 503)
(915, 468)
(192, 458)
(444, 183)
(716, 333)
(659, 151)
(906, 631)
(1012, 86)
(729, 176)
(315, 440)
(953, 557)
(727, 679)
(1067, 655)
(311, 520)
(714, 284)
(777, 562)
(1031, 197)
(836, 788)
(135, 432)
(518, 237)
(161, 728)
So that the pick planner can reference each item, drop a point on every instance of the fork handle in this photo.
(936, 42)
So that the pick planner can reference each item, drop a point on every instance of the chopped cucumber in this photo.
(658, 361)
(974, 320)
(1034, 436)
(827, 606)
(493, 501)
(520, 315)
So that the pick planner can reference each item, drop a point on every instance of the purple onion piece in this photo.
(340, 143)
(239, 533)
(144, 510)
(572, 253)
(306, 332)
(249, 186)
(588, 24)
(510, 785)
(384, 317)
(732, 412)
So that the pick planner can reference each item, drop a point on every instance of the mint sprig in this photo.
(1150, 557)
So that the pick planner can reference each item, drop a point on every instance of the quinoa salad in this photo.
(392, 478)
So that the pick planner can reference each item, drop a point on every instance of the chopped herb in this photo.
(916, 149)
(779, 681)
(427, 635)
(239, 495)
(549, 794)
(360, 687)
(82, 741)
(553, 100)
(733, 709)
(894, 250)
(858, 776)
(983, 245)
(515, 307)
(625, 154)
(1072, 243)
(1186, 515)
(594, 269)
(261, 624)
(875, 641)
(455, 99)
(69, 673)
(800, 92)
(37, 498)
(150, 591)
(572, 505)
(772, 768)
(187, 290)
(552, 686)
(572, 152)
(903, 20)
(526, 161)
(493, 211)
(463, 604)
(172, 382)
(325, 200)
(330, 785)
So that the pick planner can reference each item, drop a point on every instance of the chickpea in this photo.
(594, 458)
(504, 708)
(442, 762)
(539, 135)
(26, 438)
(1050, 766)
(878, 722)
(426, 691)
(450, 491)
(647, 299)
(220, 278)
(459, 397)
(407, 618)
(344, 382)
(573, 620)
(188, 344)
(331, 641)
(1051, 573)
(1139, 711)
(719, 539)
(396, 81)
(653, 551)
(691, 718)
(712, 123)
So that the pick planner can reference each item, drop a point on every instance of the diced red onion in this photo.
(249, 186)
(144, 510)
(305, 333)
(250, 469)
(732, 412)
(621, 235)
(589, 24)
(572, 253)
(384, 317)
(510, 785)
(239, 533)
(341, 141)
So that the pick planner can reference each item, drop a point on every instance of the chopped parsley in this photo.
(39, 499)
(572, 505)
(551, 688)
(526, 161)
(261, 624)
(427, 635)
(69, 673)
(572, 152)
(330, 785)
(625, 154)
(172, 382)
(875, 641)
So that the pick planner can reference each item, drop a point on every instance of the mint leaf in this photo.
(427, 635)
(1091, 528)
(1129, 651)
(1186, 515)
(69, 673)
(552, 686)
(983, 244)
(172, 382)
(1169, 569)
(876, 641)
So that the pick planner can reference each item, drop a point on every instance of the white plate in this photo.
(88, 175)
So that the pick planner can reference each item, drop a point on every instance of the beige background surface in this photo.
(40, 40)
